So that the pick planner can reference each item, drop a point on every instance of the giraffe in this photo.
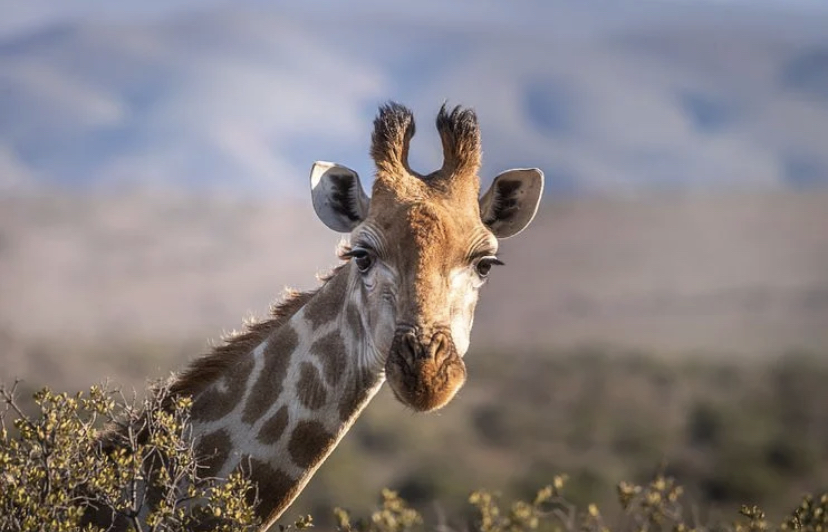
(275, 400)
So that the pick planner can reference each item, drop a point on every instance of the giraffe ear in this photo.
(338, 198)
(511, 202)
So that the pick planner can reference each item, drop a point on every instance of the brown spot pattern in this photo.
(274, 488)
(319, 311)
(309, 442)
(330, 350)
(310, 388)
(273, 428)
(213, 404)
(353, 319)
(355, 393)
(269, 384)
(212, 451)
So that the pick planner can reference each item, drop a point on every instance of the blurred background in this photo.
(668, 309)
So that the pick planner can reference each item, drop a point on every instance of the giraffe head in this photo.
(422, 246)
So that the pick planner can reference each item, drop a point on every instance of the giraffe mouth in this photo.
(424, 375)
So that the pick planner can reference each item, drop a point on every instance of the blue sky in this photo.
(605, 96)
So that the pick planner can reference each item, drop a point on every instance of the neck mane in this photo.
(206, 370)
(274, 400)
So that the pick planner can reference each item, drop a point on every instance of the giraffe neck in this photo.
(284, 405)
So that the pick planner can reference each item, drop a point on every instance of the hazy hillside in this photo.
(741, 273)
(603, 96)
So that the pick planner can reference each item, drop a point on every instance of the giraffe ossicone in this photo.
(275, 400)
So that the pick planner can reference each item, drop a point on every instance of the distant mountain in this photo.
(604, 98)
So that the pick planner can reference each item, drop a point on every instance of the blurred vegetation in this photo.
(732, 431)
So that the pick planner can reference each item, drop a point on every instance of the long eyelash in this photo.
(343, 249)
(346, 253)
(477, 256)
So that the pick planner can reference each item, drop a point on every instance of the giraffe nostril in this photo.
(410, 346)
(440, 346)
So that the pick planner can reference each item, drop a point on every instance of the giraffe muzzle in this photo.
(424, 371)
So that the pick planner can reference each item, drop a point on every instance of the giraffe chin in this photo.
(425, 383)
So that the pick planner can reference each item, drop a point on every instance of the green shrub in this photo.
(59, 466)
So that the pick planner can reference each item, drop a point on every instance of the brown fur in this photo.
(212, 451)
(393, 129)
(273, 428)
(431, 237)
(355, 393)
(268, 481)
(425, 375)
(308, 443)
(212, 403)
(269, 383)
(437, 236)
(352, 318)
(330, 350)
(311, 391)
(460, 135)
(318, 311)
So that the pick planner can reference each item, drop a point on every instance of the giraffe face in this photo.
(420, 265)
(421, 248)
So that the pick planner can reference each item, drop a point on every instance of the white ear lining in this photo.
(512, 201)
(318, 170)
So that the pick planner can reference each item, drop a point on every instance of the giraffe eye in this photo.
(484, 265)
(364, 259)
